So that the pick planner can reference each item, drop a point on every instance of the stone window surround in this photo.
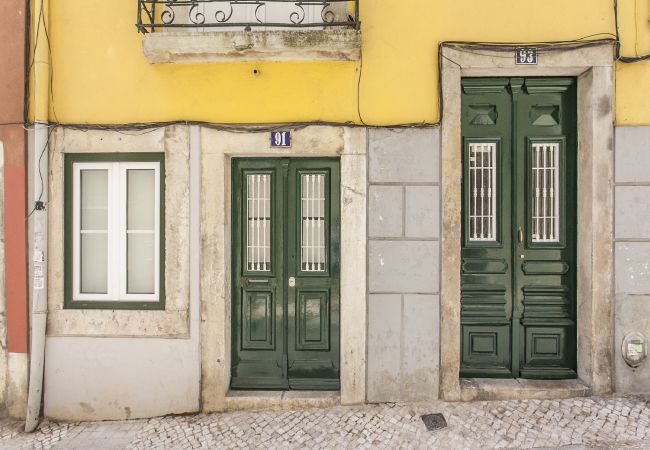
(594, 68)
(217, 150)
(173, 321)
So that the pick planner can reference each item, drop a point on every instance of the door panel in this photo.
(518, 254)
(257, 320)
(258, 316)
(545, 282)
(313, 303)
(486, 285)
(285, 321)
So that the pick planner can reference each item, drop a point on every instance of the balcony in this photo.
(157, 15)
(244, 30)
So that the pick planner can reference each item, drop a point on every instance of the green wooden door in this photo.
(518, 271)
(286, 265)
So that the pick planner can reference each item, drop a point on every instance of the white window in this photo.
(116, 231)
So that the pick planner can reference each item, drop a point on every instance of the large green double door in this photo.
(285, 273)
(518, 272)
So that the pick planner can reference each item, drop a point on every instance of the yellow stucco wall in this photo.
(101, 75)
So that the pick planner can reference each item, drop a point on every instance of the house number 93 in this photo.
(526, 55)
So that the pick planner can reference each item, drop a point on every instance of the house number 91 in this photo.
(281, 139)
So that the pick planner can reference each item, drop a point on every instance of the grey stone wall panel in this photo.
(403, 266)
(384, 338)
(385, 211)
(632, 267)
(632, 212)
(409, 155)
(632, 314)
(632, 156)
(422, 211)
(420, 348)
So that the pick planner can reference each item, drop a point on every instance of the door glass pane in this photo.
(312, 238)
(482, 191)
(141, 206)
(258, 226)
(545, 192)
(93, 265)
(141, 230)
(94, 199)
(141, 255)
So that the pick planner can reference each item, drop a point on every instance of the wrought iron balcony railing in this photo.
(156, 15)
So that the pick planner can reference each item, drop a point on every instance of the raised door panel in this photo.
(486, 273)
(257, 319)
(545, 278)
(314, 263)
(258, 313)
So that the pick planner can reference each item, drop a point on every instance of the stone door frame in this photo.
(593, 67)
(218, 147)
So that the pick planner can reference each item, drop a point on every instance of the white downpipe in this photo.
(37, 254)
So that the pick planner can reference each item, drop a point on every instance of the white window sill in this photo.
(277, 45)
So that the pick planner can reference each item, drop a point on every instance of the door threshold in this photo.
(519, 389)
(280, 400)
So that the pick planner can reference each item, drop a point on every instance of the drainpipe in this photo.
(39, 179)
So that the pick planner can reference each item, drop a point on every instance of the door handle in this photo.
(258, 281)
(520, 235)
(292, 282)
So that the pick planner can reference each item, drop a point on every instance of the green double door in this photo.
(518, 271)
(285, 273)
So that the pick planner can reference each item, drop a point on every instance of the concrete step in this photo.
(280, 400)
(519, 389)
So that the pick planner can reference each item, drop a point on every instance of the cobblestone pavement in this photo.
(574, 423)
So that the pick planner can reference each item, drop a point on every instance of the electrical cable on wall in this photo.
(465, 46)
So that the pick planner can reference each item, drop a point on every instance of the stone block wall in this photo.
(403, 264)
(632, 251)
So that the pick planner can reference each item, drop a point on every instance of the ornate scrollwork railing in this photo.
(155, 15)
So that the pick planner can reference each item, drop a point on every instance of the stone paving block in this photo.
(403, 266)
(385, 211)
(422, 214)
(582, 423)
(420, 344)
(404, 155)
(632, 213)
(384, 347)
(632, 267)
(632, 154)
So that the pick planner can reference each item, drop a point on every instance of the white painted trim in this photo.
(77, 295)
(594, 68)
(116, 231)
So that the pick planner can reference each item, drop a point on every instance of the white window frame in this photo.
(117, 269)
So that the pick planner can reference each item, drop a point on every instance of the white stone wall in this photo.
(106, 364)
(403, 263)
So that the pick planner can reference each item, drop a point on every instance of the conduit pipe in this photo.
(39, 179)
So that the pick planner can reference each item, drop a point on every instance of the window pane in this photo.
(140, 263)
(312, 238)
(258, 228)
(93, 263)
(140, 199)
(94, 199)
(546, 193)
(482, 191)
